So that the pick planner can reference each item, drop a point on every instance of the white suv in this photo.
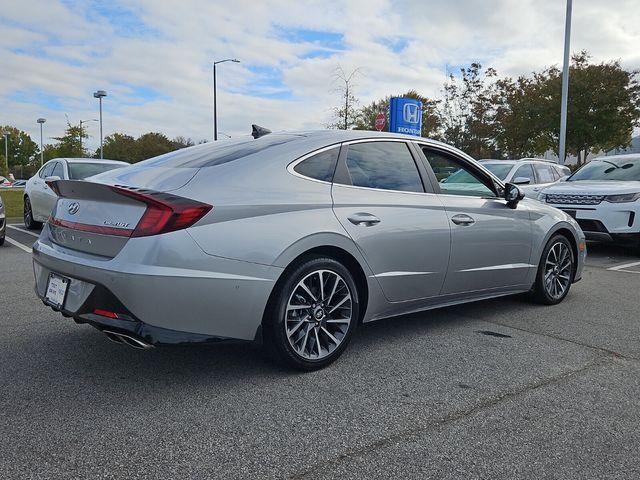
(530, 174)
(604, 197)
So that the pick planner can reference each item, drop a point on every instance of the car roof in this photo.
(92, 160)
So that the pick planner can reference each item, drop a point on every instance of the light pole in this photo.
(6, 150)
(565, 85)
(81, 132)
(215, 111)
(41, 121)
(100, 94)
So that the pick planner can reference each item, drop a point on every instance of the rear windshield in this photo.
(499, 170)
(609, 169)
(217, 153)
(80, 171)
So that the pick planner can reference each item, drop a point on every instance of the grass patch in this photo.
(12, 199)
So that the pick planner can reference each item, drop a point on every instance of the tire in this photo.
(555, 272)
(311, 338)
(29, 222)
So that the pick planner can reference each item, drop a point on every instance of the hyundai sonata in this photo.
(292, 240)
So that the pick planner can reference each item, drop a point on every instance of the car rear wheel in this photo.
(555, 272)
(29, 222)
(313, 315)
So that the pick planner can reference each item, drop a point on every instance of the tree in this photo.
(152, 144)
(119, 146)
(519, 124)
(366, 116)
(603, 106)
(346, 115)
(22, 149)
(70, 144)
(466, 110)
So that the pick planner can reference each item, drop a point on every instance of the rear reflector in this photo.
(105, 313)
(165, 213)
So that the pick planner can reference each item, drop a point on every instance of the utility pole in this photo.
(565, 85)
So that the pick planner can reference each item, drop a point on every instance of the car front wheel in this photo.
(555, 272)
(29, 222)
(313, 315)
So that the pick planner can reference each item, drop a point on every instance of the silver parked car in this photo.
(530, 174)
(293, 239)
(39, 199)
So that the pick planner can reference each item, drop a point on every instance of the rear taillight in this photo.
(165, 212)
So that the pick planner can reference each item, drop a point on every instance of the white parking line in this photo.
(623, 267)
(18, 244)
(15, 227)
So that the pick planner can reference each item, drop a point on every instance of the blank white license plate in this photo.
(56, 289)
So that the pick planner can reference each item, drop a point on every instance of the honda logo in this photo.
(411, 113)
(73, 208)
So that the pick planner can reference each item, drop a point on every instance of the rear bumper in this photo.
(204, 298)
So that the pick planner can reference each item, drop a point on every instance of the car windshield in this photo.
(80, 171)
(498, 169)
(609, 169)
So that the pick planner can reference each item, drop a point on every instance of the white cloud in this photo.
(154, 57)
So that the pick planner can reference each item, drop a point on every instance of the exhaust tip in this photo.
(127, 340)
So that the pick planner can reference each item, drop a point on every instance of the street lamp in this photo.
(99, 95)
(81, 132)
(41, 121)
(565, 85)
(215, 112)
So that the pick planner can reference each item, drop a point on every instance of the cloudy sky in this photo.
(154, 57)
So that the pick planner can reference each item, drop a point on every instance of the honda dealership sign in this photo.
(405, 116)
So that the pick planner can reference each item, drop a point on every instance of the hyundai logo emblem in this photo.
(73, 208)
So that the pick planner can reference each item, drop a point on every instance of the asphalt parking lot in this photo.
(498, 389)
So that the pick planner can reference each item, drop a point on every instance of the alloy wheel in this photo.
(558, 268)
(28, 218)
(318, 314)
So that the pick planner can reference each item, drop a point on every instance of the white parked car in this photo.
(604, 197)
(39, 199)
(530, 174)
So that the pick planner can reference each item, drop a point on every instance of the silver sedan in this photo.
(292, 240)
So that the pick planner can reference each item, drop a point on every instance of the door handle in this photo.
(365, 219)
(463, 220)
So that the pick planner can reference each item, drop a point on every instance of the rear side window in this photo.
(544, 174)
(47, 169)
(80, 171)
(383, 165)
(58, 171)
(319, 166)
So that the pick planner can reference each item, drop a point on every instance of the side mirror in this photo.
(564, 179)
(512, 194)
(521, 181)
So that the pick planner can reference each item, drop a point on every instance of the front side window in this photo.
(459, 179)
(383, 165)
(525, 171)
(319, 166)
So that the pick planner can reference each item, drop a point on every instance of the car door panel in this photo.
(490, 241)
(407, 248)
(403, 235)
